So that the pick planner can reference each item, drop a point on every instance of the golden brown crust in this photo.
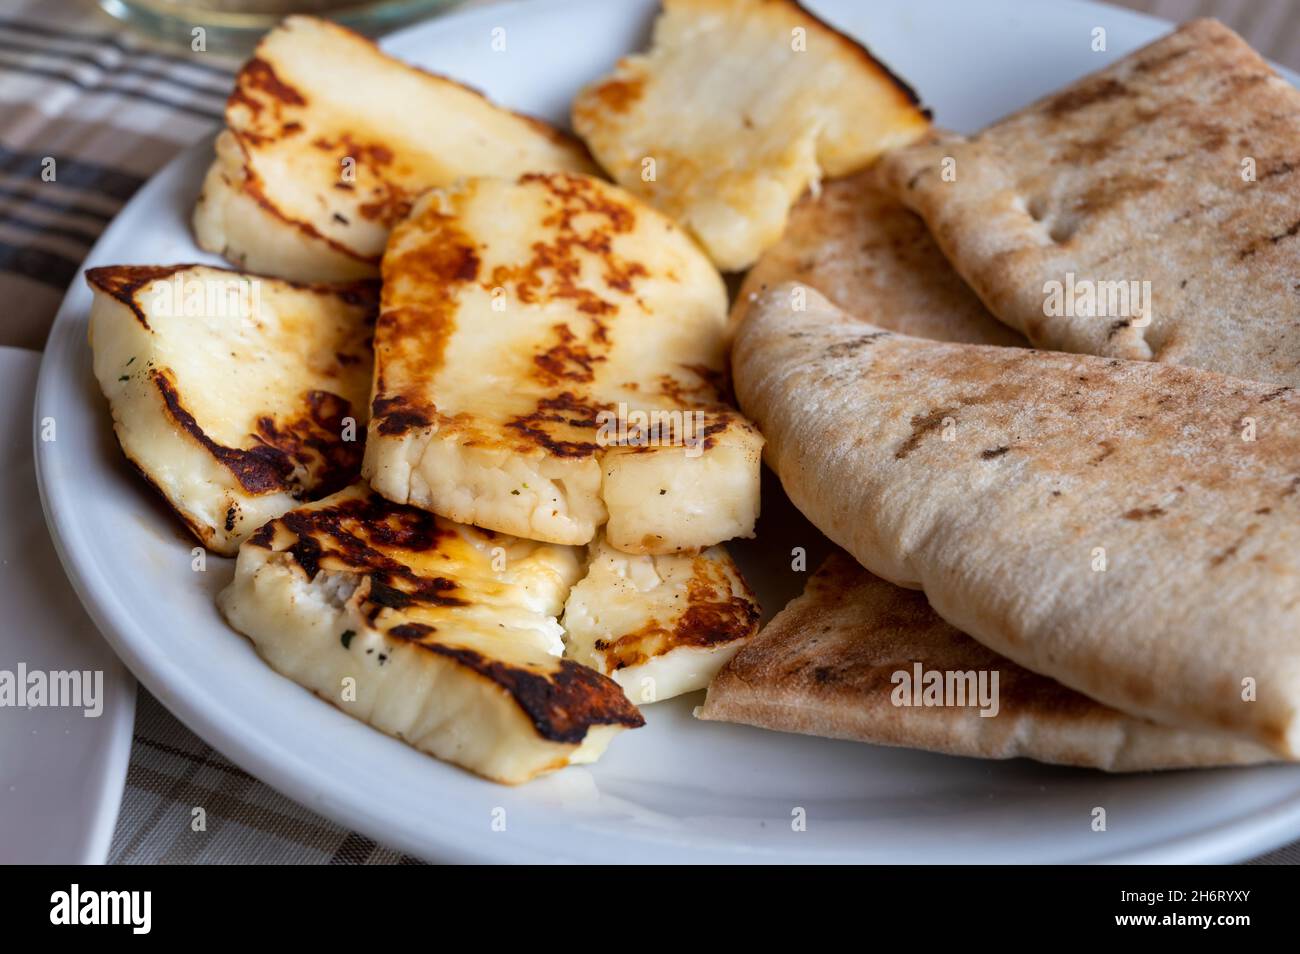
(709, 621)
(431, 261)
(265, 110)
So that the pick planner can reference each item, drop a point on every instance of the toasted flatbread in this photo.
(329, 141)
(1175, 167)
(1131, 529)
(868, 253)
(841, 660)
(736, 108)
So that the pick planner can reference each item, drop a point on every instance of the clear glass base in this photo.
(234, 26)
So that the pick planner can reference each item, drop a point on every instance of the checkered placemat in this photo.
(102, 109)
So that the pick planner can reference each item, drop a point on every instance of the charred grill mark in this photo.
(261, 469)
(306, 550)
(395, 415)
(411, 631)
(922, 424)
(1144, 513)
(850, 346)
(264, 536)
(1290, 232)
(124, 282)
(352, 533)
(1285, 167)
(555, 269)
(714, 616)
(567, 409)
(258, 76)
(313, 440)
(1152, 64)
(562, 705)
(1109, 192)
(1226, 554)
(1107, 448)
(1087, 93)
(566, 360)
(252, 188)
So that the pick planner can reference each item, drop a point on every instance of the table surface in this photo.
(111, 108)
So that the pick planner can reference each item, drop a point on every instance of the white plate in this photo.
(61, 771)
(676, 790)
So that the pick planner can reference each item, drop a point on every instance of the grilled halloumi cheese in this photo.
(327, 142)
(738, 106)
(550, 358)
(442, 635)
(236, 396)
(659, 626)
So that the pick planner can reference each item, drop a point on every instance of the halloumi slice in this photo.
(659, 626)
(236, 396)
(551, 358)
(442, 635)
(738, 106)
(328, 140)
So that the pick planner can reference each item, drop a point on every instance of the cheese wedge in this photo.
(659, 626)
(327, 142)
(550, 358)
(442, 635)
(736, 109)
(236, 396)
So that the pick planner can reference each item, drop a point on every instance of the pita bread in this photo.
(1099, 521)
(865, 251)
(1176, 167)
(829, 663)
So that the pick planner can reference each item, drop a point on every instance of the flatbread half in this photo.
(1150, 211)
(1130, 529)
(857, 658)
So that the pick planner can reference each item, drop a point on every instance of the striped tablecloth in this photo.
(103, 109)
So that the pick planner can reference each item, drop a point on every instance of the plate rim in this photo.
(310, 784)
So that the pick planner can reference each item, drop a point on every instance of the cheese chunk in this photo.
(328, 141)
(736, 109)
(659, 626)
(551, 358)
(442, 635)
(236, 396)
